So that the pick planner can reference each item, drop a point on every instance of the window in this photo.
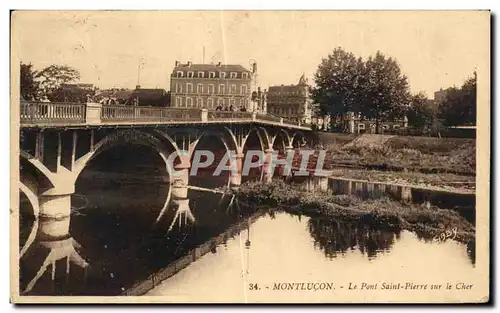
(190, 74)
(244, 75)
(222, 89)
(220, 102)
(361, 126)
(233, 89)
(199, 88)
(199, 102)
(232, 102)
(210, 103)
(178, 88)
(211, 75)
(222, 75)
(178, 101)
(243, 89)
(180, 73)
(211, 89)
(201, 75)
(189, 88)
(242, 102)
(189, 102)
(233, 74)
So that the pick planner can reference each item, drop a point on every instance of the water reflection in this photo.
(53, 247)
(291, 248)
(118, 238)
(336, 237)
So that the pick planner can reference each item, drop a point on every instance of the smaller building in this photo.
(290, 101)
(155, 97)
(357, 124)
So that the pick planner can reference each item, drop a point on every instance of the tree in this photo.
(53, 76)
(336, 80)
(28, 85)
(459, 106)
(420, 113)
(385, 89)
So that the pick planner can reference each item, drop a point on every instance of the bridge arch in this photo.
(130, 137)
(263, 136)
(295, 139)
(286, 139)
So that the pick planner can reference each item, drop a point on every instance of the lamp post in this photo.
(253, 65)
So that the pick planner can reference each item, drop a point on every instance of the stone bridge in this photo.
(57, 141)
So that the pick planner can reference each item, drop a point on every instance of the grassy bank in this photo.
(428, 222)
(401, 153)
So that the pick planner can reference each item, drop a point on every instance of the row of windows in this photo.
(211, 103)
(211, 89)
(395, 126)
(285, 93)
(284, 111)
(200, 74)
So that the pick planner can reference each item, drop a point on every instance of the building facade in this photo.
(355, 123)
(211, 86)
(290, 101)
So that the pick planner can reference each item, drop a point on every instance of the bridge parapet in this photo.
(68, 114)
(52, 112)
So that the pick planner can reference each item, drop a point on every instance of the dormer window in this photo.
(244, 75)
(190, 74)
(211, 75)
(234, 74)
(180, 73)
(222, 75)
(201, 74)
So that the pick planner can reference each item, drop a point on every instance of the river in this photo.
(212, 247)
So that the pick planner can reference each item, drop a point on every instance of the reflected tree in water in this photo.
(336, 237)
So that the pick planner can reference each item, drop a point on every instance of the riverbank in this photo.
(427, 221)
(448, 163)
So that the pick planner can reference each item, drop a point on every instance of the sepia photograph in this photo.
(230, 156)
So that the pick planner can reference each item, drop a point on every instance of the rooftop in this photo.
(210, 67)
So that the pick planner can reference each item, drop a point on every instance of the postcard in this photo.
(250, 156)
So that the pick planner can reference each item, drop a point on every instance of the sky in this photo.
(435, 49)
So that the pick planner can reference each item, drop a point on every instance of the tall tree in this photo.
(54, 75)
(459, 106)
(385, 89)
(336, 81)
(420, 113)
(28, 85)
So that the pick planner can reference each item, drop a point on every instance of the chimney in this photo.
(137, 87)
(219, 64)
(177, 63)
(189, 63)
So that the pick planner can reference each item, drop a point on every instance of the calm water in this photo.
(117, 237)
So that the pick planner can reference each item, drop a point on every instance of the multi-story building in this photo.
(211, 86)
(291, 101)
(440, 95)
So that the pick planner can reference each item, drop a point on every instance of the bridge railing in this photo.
(267, 117)
(33, 113)
(152, 114)
(229, 115)
(52, 112)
